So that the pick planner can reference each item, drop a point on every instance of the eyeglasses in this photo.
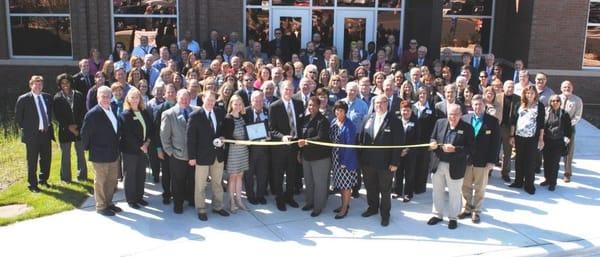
(482, 76)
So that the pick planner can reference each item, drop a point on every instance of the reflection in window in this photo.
(461, 34)
(356, 3)
(322, 23)
(28, 33)
(165, 7)
(37, 6)
(257, 26)
(323, 2)
(591, 56)
(390, 3)
(255, 2)
(388, 23)
(594, 12)
(160, 31)
(292, 2)
(467, 7)
(354, 30)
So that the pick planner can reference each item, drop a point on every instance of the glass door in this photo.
(295, 25)
(352, 26)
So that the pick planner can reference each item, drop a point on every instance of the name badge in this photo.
(428, 111)
(488, 132)
(410, 124)
(460, 132)
(387, 130)
(135, 118)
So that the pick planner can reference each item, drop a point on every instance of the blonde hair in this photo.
(230, 105)
(36, 78)
(133, 91)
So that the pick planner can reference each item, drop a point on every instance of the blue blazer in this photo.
(347, 156)
(99, 137)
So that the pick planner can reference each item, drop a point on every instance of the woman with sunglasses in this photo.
(557, 134)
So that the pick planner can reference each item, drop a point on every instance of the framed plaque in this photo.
(256, 131)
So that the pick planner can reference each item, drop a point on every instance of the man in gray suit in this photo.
(173, 131)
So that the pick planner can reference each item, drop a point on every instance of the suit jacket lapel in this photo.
(382, 127)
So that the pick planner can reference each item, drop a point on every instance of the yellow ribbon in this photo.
(275, 143)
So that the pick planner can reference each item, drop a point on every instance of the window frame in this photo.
(9, 37)
(113, 15)
(492, 18)
(587, 25)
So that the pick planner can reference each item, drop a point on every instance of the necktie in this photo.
(212, 125)
(257, 119)
(186, 114)
(390, 104)
(291, 119)
(43, 112)
(87, 81)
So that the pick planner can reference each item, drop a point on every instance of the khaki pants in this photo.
(105, 183)
(476, 178)
(506, 149)
(216, 174)
(440, 179)
(569, 158)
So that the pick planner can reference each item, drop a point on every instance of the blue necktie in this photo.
(43, 112)
(185, 114)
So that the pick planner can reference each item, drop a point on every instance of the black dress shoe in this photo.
(475, 218)
(452, 224)
(307, 207)
(156, 179)
(115, 208)
(221, 212)
(202, 216)
(280, 204)
(292, 203)
(506, 178)
(396, 196)
(339, 209)
(166, 200)
(385, 221)
(552, 187)
(433, 221)
(178, 208)
(34, 189)
(106, 212)
(262, 200)
(315, 213)
(538, 171)
(252, 200)
(369, 213)
(355, 194)
(133, 205)
(544, 183)
(516, 185)
(142, 202)
(340, 215)
(530, 190)
(463, 215)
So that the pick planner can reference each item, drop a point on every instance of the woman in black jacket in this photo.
(424, 110)
(136, 130)
(557, 131)
(69, 109)
(316, 159)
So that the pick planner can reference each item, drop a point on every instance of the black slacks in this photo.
(527, 152)
(183, 180)
(552, 153)
(378, 182)
(284, 163)
(154, 162)
(404, 180)
(259, 168)
(165, 178)
(422, 159)
(134, 176)
(39, 149)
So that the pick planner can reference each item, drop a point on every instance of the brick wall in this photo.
(225, 16)
(557, 34)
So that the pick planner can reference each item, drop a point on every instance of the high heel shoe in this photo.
(340, 215)
(338, 209)
(241, 205)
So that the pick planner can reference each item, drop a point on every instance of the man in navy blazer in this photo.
(33, 113)
(483, 156)
(381, 127)
(312, 57)
(100, 136)
(204, 127)
(451, 142)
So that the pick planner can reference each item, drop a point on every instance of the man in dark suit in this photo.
(33, 113)
(380, 128)
(312, 57)
(164, 167)
(284, 117)
(213, 46)
(304, 93)
(100, 136)
(246, 89)
(478, 60)
(206, 153)
(451, 140)
(509, 113)
(405, 176)
(422, 59)
(441, 108)
(259, 155)
(83, 80)
(481, 160)
(393, 100)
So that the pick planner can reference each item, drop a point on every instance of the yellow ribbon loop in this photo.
(278, 143)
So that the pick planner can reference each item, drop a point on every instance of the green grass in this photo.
(13, 183)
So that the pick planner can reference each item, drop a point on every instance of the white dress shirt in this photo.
(378, 121)
(37, 99)
(111, 117)
(212, 118)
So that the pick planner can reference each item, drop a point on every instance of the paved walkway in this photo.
(514, 223)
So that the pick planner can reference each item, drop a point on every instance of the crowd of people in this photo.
(169, 109)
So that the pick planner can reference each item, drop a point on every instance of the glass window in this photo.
(467, 7)
(36, 6)
(257, 26)
(323, 2)
(390, 3)
(255, 2)
(462, 34)
(591, 56)
(322, 23)
(145, 7)
(40, 28)
(356, 3)
(388, 23)
(159, 22)
(292, 2)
